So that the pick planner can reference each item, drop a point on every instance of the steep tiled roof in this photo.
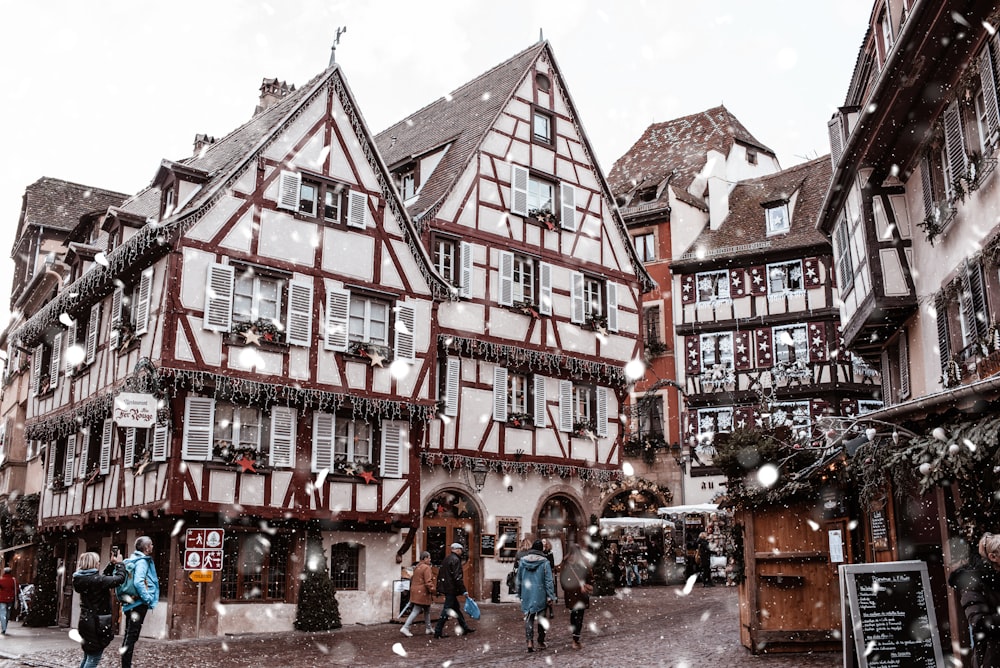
(462, 118)
(746, 222)
(60, 204)
(679, 147)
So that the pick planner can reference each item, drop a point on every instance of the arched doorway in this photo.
(560, 520)
(451, 517)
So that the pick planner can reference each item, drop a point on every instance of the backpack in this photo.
(127, 592)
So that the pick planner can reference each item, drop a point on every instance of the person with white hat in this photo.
(451, 583)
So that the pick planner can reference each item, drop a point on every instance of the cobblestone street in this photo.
(645, 627)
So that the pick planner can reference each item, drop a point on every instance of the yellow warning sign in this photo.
(202, 576)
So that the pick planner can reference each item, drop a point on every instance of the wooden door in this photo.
(440, 533)
(64, 584)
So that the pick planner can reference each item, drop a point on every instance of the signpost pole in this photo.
(197, 615)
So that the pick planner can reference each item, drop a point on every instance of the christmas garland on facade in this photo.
(451, 462)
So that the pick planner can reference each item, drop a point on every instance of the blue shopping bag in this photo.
(471, 608)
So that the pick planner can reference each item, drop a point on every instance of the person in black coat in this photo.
(451, 583)
(705, 560)
(978, 584)
(94, 589)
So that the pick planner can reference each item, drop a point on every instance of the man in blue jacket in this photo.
(148, 585)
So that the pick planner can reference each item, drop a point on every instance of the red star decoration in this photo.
(368, 476)
(246, 464)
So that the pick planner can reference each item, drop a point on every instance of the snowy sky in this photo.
(98, 92)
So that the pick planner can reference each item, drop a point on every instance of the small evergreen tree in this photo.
(318, 609)
(42, 611)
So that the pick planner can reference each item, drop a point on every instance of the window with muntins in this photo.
(792, 414)
(791, 344)
(345, 566)
(777, 219)
(353, 442)
(257, 296)
(246, 299)
(541, 127)
(784, 278)
(445, 251)
(845, 266)
(541, 196)
(645, 246)
(713, 421)
(368, 321)
(328, 201)
(712, 286)
(716, 349)
(240, 430)
(255, 567)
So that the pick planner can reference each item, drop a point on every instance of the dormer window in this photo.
(777, 218)
(751, 156)
(408, 184)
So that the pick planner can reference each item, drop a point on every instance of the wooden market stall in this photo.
(655, 539)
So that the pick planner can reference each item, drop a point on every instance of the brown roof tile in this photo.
(746, 222)
(60, 204)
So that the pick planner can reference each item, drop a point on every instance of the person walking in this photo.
(451, 583)
(547, 551)
(630, 560)
(422, 591)
(576, 575)
(8, 598)
(536, 590)
(96, 623)
(978, 585)
(148, 585)
(705, 560)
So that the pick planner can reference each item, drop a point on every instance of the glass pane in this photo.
(356, 321)
(379, 326)
(307, 199)
(243, 296)
(331, 205)
(436, 538)
(362, 442)
(269, 294)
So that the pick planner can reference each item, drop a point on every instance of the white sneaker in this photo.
(406, 632)
(429, 632)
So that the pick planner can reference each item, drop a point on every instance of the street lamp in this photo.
(479, 471)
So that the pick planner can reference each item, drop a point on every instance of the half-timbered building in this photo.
(505, 190)
(245, 344)
(912, 212)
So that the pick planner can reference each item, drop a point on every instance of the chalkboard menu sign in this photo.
(508, 529)
(888, 616)
(488, 545)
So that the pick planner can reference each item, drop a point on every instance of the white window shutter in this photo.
(577, 311)
(886, 383)
(567, 201)
(142, 307)
(55, 368)
(565, 405)
(93, 329)
(612, 289)
(544, 288)
(219, 297)
(161, 443)
(50, 476)
(405, 334)
(299, 321)
(283, 421)
(289, 185)
(107, 438)
(129, 454)
(465, 257)
(904, 366)
(954, 143)
(602, 411)
(500, 394)
(36, 368)
(84, 453)
(116, 315)
(70, 459)
(338, 304)
(322, 442)
(451, 385)
(518, 190)
(71, 334)
(836, 138)
(988, 78)
(199, 428)
(539, 401)
(357, 209)
(506, 297)
(393, 448)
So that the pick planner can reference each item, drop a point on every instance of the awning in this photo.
(646, 522)
(686, 510)
(15, 547)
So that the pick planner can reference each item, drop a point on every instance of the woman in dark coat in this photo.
(705, 560)
(94, 589)
(979, 592)
(577, 578)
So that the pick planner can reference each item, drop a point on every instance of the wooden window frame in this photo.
(349, 554)
(646, 250)
(718, 354)
(239, 583)
(550, 124)
(721, 277)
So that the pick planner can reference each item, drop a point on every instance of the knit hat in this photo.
(537, 546)
(457, 546)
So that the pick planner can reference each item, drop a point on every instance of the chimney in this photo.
(201, 143)
(271, 92)
(718, 189)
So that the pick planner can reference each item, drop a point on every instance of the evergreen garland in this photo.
(318, 609)
(42, 611)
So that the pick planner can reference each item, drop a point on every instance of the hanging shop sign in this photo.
(135, 410)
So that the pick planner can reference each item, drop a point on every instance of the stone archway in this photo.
(561, 520)
(450, 516)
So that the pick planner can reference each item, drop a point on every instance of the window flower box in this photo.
(584, 429)
(232, 454)
(520, 420)
(358, 467)
(266, 330)
(546, 217)
(367, 350)
(655, 348)
(596, 323)
(937, 220)
(527, 308)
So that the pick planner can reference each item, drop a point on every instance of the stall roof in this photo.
(684, 510)
(611, 522)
